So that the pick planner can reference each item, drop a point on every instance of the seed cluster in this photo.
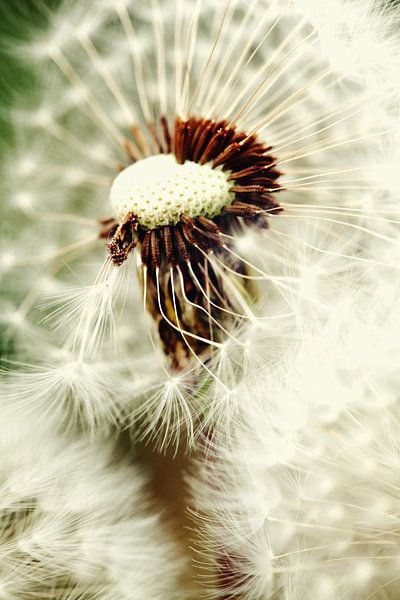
(172, 227)
(158, 191)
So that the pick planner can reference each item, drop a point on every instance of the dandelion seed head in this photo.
(265, 334)
(170, 85)
(157, 190)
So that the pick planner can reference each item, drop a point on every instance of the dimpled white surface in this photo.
(158, 190)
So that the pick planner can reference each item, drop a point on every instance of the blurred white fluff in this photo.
(302, 501)
(76, 522)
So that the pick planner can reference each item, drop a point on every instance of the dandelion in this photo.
(202, 247)
(205, 141)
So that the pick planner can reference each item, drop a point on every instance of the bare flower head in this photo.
(180, 206)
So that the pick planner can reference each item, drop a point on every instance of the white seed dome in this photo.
(157, 190)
